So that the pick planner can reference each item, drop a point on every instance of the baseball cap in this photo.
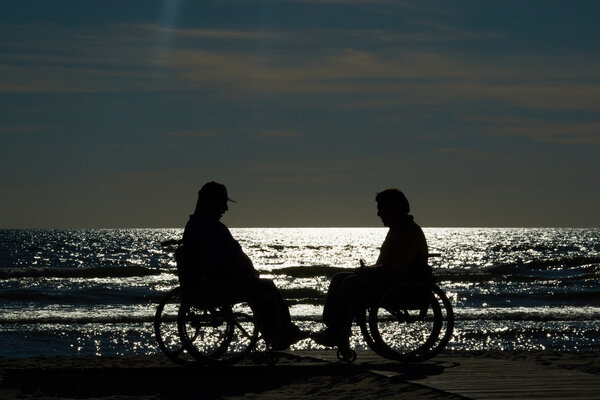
(213, 191)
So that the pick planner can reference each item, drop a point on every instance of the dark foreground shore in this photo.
(309, 375)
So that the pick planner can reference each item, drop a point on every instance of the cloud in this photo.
(276, 134)
(343, 2)
(417, 78)
(472, 153)
(307, 73)
(207, 33)
(340, 168)
(25, 129)
(194, 133)
(124, 58)
(552, 132)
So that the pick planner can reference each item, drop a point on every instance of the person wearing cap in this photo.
(213, 254)
(403, 256)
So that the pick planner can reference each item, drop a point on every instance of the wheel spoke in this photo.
(245, 333)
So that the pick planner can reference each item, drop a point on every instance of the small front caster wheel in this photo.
(347, 355)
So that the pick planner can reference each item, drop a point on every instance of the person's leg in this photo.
(272, 314)
(267, 289)
(355, 294)
(333, 303)
(266, 316)
(350, 296)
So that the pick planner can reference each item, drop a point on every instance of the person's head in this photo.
(392, 206)
(212, 200)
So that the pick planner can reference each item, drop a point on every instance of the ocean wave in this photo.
(66, 319)
(88, 272)
(536, 247)
(543, 264)
(496, 315)
(106, 296)
(119, 319)
(90, 296)
(578, 268)
(101, 296)
(524, 314)
(581, 296)
(303, 296)
(563, 268)
(308, 271)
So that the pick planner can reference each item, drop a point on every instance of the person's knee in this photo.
(353, 283)
(266, 284)
(356, 290)
(261, 286)
(339, 278)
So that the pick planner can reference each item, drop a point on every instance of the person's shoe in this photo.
(326, 338)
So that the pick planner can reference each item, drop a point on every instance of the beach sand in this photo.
(309, 375)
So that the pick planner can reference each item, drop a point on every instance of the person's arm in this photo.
(396, 256)
(244, 264)
(236, 259)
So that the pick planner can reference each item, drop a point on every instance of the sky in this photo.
(114, 113)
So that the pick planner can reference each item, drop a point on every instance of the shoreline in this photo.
(308, 375)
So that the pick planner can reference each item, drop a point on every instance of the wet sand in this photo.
(309, 375)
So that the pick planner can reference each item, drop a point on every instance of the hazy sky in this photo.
(114, 113)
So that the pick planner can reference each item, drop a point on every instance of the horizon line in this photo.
(309, 227)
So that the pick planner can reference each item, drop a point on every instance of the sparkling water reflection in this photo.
(95, 291)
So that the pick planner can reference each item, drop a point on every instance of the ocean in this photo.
(94, 292)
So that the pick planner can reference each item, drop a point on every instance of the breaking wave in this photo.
(89, 272)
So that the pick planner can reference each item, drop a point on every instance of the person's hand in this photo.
(362, 267)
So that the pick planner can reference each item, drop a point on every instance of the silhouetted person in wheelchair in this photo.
(211, 254)
(403, 257)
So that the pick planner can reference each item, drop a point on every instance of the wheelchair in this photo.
(408, 322)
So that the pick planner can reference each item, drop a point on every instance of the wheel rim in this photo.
(447, 327)
(405, 322)
(217, 333)
(166, 330)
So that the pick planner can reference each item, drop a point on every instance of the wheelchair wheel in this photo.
(216, 325)
(405, 322)
(166, 331)
(346, 354)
